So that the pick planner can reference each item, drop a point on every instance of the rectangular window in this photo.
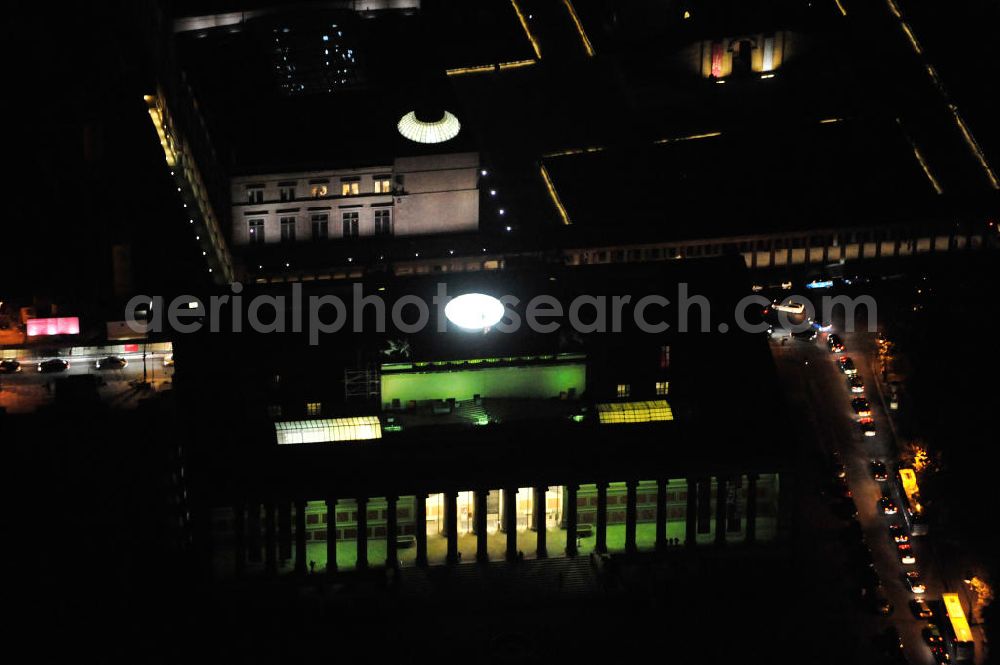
(255, 229)
(350, 186)
(314, 408)
(255, 194)
(317, 189)
(383, 184)
(287, 229)
(383, 221)
(350, 224)
(662, 388)
(286, 192)
(274, 411)
(321, 226)
(665, 357)
(623, 390)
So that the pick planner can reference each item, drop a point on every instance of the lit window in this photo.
(383, 184)
(623, 390)
(317, 190)
(287, 229)
(350, 186)
(286, 192)
(664, 357)
(328, 430)
(321, 226)
(313, 408)
(662, 388)
(255, 231)
(618, 413)
(350, 220)
(383, 221)
(255, 194)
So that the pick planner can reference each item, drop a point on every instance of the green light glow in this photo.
(534, 382)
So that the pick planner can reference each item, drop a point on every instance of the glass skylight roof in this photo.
(328, 430)
(617, 413)
(420, 131)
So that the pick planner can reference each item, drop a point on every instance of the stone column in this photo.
(300, 536)
(510, 521)
(661, 515)
(420, 527)
(253, 530)
(391, 529)
(240, 538)
(284, 530)
(538, 508)
(691, 526)
(362, 535)
(601, 545)
(479, 521)
(720, 510)
(751, 507)
(631, 516)
(569, 514)
(270, 539)
(331, 536)
(451, 526)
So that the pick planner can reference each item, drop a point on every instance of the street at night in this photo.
(501, 331)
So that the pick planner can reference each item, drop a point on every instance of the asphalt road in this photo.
(29, 388)
(833, 429)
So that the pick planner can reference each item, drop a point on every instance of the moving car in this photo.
(879, 472)
(867, 426)
(835, 344)
(112, 362)
(9, 367)
(898, 533)
(53, 365)
(932, 635)
(856, 384)
(914, 582)
(887, 506)
(791, 307)
(920, 608)
(839, 470)
(846, 366)
(906, 555)
(807, 335)
(861, 407)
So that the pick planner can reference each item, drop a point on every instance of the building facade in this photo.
(411, 196)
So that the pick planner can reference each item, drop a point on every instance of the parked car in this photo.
(53, 365)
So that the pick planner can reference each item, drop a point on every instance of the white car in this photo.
(791, 307)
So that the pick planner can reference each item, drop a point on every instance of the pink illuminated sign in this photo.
(67, 325)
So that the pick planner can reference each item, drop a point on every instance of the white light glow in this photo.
(474, 311)
(438, 131)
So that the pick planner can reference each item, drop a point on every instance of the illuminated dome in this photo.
(474, 311)
(420, 129)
